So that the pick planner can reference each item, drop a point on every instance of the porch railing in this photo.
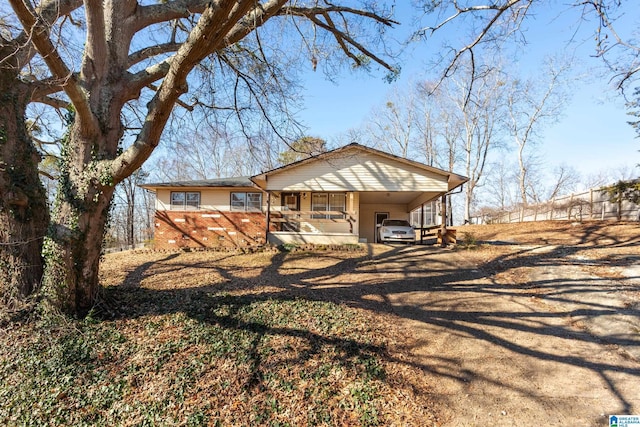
(312, 221)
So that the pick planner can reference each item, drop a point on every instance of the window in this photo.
(238, 201)
(328, 202)
(193, 199)
(318, 203)
(337, 202)
(250, 202)
(254, 202)
(181, 200)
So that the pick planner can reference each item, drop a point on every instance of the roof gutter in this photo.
(459, 188)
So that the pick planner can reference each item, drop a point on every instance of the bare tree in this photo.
(490, 24)
(442, 127)
(208, 153)
(128, 195)
(533, 103)
(565, 179)
(392, 125)
(479, 102)
(115, 71)
(500, 193)
(132, 213)
(430, 127)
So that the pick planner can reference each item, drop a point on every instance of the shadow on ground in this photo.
(496, 340)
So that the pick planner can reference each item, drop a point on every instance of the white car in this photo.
(396, 230)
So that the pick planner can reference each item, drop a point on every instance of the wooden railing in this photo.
(295, 220)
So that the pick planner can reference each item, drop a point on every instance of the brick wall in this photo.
(208, 229)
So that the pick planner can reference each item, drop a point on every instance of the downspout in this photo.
(454, 192)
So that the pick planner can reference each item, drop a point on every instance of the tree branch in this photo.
(459, 11)
(178, 101)
(147, 76)
(95, 59)
(45, 87)
(49, 11)
(38, 31)
(248, 82)
(56, 103)
(209, 35)
(152, 51)
(500, 10)
(167, 11)
(341, 37)
(311, 11)
(602, 51)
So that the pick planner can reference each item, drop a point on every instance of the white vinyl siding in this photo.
(357, 172)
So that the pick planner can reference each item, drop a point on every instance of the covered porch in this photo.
(301, 217)
(340, 197)
(295, 218)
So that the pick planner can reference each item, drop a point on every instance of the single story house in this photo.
(337, 197)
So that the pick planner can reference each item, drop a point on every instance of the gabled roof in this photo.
(240, 181)
(453, 179)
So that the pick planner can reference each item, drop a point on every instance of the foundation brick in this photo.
(209, 229)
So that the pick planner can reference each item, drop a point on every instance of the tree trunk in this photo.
(131, 234)
(130, 191)
(74, 245)
(522, 176)
(468, 198)
(24, 214)
(73, 252)
(619, 213)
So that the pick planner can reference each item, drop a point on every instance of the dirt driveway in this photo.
(545, 344)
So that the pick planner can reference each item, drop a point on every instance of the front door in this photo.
(290, 202)
(378, 220)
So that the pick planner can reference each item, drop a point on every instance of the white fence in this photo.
(592, 204)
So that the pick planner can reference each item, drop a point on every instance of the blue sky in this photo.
(592, 135)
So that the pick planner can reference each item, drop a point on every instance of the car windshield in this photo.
(396, 223)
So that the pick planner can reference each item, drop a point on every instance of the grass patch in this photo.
(201, 356)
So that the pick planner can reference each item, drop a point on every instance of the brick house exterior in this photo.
(178, 229)
(336, 197)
